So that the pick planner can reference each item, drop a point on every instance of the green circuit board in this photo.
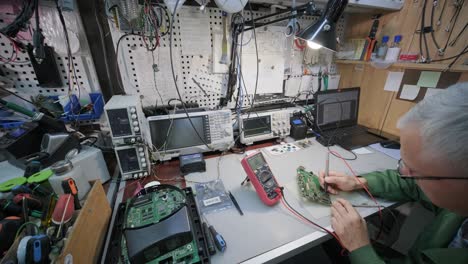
(152, 208)
(309, 186)
(184, 255)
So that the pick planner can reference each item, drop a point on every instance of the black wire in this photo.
(174, 77)
(452, 43)
(256, 54)
(386, 115)
(465, 50)
(119, 80)
(432, 28)
(442, 11)
(70, 58)
(422, 34)
(456, 58)
(37, 16)
(22, 19)
(457, 13)
(428, 57)
(167, 19)
(303, 217)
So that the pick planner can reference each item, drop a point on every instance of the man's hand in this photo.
(338, 181)
(349, 226)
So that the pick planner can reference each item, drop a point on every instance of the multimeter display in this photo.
(256, 161)
(262, 178)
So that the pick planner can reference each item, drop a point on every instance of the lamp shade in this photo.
(323, 32)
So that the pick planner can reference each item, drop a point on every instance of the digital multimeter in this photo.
(262, 178)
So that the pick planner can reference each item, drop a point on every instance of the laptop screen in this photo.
(336, 107)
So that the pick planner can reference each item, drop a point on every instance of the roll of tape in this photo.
(21, 252)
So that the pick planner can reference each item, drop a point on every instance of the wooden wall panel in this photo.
(375, 102)
(406, 21)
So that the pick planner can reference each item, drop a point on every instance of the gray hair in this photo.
(443, 123)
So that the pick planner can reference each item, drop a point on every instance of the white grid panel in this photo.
(22, 72)
(142, 82)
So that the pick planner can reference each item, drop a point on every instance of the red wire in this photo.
(315, 224)
(365, 188)
(14, 51)
(300, 44)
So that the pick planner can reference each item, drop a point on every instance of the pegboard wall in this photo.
(149, 75)
(21, 72)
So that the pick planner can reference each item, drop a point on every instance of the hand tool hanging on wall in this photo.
(370, 40)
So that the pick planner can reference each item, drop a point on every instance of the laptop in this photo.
(336, 116)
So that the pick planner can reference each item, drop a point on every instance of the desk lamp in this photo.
(323, 33)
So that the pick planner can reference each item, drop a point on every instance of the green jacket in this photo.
(431, 244)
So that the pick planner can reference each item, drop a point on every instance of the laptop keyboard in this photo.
(344, 131)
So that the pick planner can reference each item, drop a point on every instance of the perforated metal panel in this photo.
(21, 72)
(136, 64)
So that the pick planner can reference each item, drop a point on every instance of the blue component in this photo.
(191, 156)
(221, 243)
(297, 122)
(385, 39)
(17, 132)
(397, 39)
(37, 251)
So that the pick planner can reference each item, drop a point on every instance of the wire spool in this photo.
(42, 178)
(12, 183)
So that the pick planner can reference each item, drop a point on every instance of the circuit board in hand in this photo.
(309, 186)
(152, 208)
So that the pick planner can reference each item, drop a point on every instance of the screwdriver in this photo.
(209, 239)
(218, 239)
(69, 187)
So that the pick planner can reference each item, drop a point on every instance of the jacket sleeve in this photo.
(364, 255)
(389, 185)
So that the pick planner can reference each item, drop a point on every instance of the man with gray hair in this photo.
(433, 170)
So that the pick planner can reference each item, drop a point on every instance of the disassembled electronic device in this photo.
(309, 186)
(259, 173)
(130, 135)
(258, 126)
(170, 215)
(173, 135)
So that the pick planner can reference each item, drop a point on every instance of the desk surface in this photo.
(266, 233)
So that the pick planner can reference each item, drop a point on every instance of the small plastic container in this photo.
(393, 52)
(98, 108)
(382, 50)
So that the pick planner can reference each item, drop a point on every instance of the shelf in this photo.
(407, 65)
